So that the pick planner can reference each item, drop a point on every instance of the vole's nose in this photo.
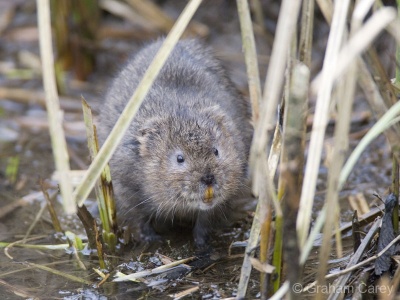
(208, 179)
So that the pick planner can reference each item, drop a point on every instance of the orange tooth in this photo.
(208, 195)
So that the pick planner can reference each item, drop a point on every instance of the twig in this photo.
(50, 207)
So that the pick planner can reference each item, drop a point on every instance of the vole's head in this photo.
(191, 161)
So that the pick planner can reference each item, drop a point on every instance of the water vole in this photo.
(184, 157)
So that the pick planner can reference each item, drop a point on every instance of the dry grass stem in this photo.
(18, 290)
(185, 293)
(396, 278)
(273, 160)
(37, 97)
(253, 240)
(115, 137)
(361, 11)
(23, 241)
(54, 218)
(54, 113)
(390, 118)
(292, 165)
(103, 188)
(257, 10)
(150, 11)
(360, 41)
(250, 54)
(122, 277)
(361, 249)
(326, 8)
(272, 89)
(280, 294)
(123, 10)
(275, 154)
(351, 268)
(321, 119)
(162, 21)
(28, 199)
(87, 221)
(306, 32)
(262, 180)
(346, 91)
(59, 273)
(39, 214)
(253, 77)
(393, 29)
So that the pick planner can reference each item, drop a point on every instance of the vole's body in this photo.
(185, 154)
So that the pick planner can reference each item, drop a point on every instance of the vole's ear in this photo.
(151, 126)
(215, 119)
(148, 133)
(214, 113)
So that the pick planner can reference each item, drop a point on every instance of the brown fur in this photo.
(191, 110)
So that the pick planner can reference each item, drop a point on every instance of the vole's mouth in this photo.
(208, 195)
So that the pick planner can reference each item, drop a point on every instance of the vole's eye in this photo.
(180, 159)
(216, 151)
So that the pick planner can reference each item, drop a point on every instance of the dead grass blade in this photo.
(321, 119)
(54, 113)
(105, 153)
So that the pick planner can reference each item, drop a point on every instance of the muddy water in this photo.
(24, 138)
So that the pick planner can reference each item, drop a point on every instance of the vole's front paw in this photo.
(200, 235)
(148, 234)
